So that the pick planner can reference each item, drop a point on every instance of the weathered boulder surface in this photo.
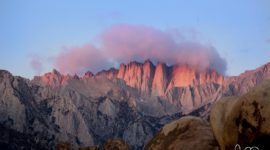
(111, 144)
(243, 120)
(115, 144)
(187, 133)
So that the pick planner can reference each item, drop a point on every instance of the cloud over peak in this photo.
(124, 43)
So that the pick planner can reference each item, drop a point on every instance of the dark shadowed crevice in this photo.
(262, 142)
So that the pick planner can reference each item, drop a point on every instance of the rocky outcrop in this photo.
(239, 85)
(11, 139)
(243, 120)
(115, 144)
(160, 80)
(137, 75)
(38, 111)
(111, 144)
(131, 103)
(147, 77)
(184, 134)
(79, 111)
(181, 85)
(236, 123)
(88, 74)
(110, 74)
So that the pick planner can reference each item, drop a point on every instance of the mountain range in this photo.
(131, 103)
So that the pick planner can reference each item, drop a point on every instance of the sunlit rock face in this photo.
(147, 76)
(160, 80)
(182, 76)
(156, 80)
(137, 75)
(179, 84)
(54, 78)
(132, 74)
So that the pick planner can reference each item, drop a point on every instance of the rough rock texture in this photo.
(220, 114)
(243, 120)
(179, 84)
(241, 84)
(111, 144)
(160, 80)
(131, 103)
(13, 140)
(186, 133)
(81, 112)
(115, 144)
(236, 86)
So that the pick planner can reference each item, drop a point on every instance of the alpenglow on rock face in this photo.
(180, 85)
(131, 103)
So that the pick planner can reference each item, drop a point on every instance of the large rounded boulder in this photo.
(243, 121)
(187, 133)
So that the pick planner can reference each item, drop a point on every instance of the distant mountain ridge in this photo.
(168, 82)
(131, 103)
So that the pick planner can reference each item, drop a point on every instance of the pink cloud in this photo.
(78, 60)
(125, 43)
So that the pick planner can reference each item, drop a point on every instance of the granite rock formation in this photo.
(187, 133)
(244, 119)
(131, 103)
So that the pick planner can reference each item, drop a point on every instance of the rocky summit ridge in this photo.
(131, 103)
(181, 85)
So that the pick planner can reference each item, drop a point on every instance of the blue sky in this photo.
(239, 30)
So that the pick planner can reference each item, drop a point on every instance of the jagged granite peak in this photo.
(88, 74)
(210, 76)
(53, 78)
(110, 73)
(5, 73)
(182, 76)
(238, 85)
(160, 79)
(156, 80)
(132, 74)
(180, 85)
(147, 78)
(122, 71)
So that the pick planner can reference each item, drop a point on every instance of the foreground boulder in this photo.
(187, 133)
(112, 144)
(243, 120)
(115, 144)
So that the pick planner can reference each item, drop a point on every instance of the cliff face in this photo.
(179, 84)
(186, 87)
(137, 75)
(131, 103)
(156, 80)
(160, 80)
